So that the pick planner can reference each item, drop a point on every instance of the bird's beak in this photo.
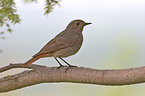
(88, 23)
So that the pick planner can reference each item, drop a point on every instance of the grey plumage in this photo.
(65, 44)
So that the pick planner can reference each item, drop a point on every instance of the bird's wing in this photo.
(61, 41)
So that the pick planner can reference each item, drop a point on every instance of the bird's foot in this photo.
(69, 66)
(72, 66)
(61, 66)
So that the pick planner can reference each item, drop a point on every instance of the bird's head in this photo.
(77, 25)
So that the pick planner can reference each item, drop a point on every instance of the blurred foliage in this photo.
(49, 5)
(8, 13)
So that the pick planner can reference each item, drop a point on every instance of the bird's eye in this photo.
(78, 23)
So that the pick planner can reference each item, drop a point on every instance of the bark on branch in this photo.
(43, 74)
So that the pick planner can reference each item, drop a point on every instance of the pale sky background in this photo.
(114, 40)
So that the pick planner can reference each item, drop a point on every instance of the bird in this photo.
(65, 44)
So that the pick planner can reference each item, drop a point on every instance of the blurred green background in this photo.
(114, 40)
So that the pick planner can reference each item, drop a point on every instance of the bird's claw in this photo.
(61, 66)
(69, 67)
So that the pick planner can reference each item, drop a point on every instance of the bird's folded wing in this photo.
(61, 41)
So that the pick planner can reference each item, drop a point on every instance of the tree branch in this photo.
(13, 66)
(42, 74)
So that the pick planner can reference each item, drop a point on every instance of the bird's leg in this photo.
(59, 63)
(67, 63)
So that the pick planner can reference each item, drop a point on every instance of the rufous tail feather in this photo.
(35, 58)
(31, 61)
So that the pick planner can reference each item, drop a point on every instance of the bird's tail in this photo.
(31, 61)
(36, 57)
